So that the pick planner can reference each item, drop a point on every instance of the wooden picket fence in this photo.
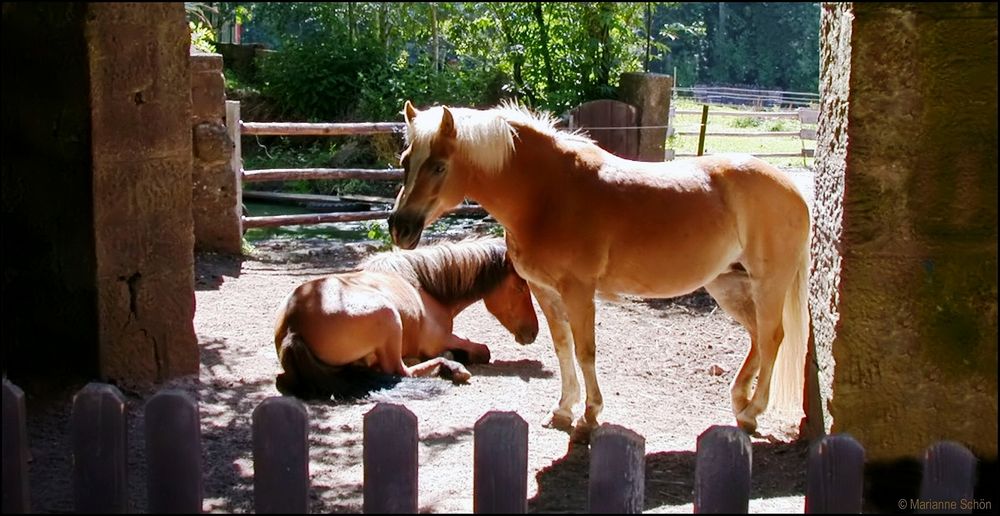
(280, 435)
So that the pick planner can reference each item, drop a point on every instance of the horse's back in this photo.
(346, 317)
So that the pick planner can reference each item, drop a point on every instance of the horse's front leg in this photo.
(562, 341)
(478, 353)
(579, 302)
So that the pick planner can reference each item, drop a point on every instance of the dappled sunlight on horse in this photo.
(580, 221)
(399, 308)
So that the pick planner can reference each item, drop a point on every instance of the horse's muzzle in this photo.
(405, 230)
(526, 335)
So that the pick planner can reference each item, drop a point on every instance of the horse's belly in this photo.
(649, 274)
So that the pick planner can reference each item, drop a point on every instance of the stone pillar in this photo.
(98, 275)
(143, 232)
(650, 93)
(904, 283)
(216, 187)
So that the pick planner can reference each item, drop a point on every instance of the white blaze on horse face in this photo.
(418, 154)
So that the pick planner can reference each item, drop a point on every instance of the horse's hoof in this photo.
(480, 357)
(460, 375)
(746, 423)
(559, 421)
(581, 432)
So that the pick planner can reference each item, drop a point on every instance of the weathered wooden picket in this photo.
(280, 435)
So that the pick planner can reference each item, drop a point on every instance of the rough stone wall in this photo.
(216, 189)
(140, 94)
(49, 315)
(836, 21)
(650, 92)
(915, 341)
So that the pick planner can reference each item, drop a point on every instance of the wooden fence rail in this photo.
(280, 435)
(237, 128)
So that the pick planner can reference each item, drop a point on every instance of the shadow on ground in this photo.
(779, 470)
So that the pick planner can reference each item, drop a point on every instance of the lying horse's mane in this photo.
(450, 272)
(486, 137)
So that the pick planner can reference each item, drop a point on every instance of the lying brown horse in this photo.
(581, 221)
(334, 330)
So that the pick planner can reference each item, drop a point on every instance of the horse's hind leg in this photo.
(769, 300)
(732, 291)
(562, 341)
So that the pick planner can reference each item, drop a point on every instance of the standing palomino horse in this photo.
(343, 329)
(580, 220)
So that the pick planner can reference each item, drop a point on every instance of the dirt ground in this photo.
(664, 368)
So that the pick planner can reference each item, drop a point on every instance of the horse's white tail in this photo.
(788, 377)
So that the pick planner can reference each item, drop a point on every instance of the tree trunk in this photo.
(434, 36)
(350, 22)
(546, 55)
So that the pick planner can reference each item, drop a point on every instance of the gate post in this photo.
(650, 92)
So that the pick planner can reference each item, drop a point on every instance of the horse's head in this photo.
(429, 186)
(510, 303)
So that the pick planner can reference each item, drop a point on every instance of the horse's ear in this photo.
(447, 123)
(409, 112)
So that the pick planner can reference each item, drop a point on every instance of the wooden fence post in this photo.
(16, 496)
(702, 129)
(390, 459)
(949, 478)
(173, 452)
(500, 464)
(281, 456)
(235, 133)
(617, 471)
(722, 471)
(835, 476)
(100, 450)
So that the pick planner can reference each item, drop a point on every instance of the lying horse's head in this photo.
(457, 274)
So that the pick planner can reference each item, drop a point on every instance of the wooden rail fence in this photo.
(805, 116)
(280, 435)
(238, 128)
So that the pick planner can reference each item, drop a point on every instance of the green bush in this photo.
(318, 79)
(745, 122)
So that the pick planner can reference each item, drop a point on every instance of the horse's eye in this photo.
(439, 168)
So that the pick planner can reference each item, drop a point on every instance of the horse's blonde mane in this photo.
(450, 271)
(486, 137)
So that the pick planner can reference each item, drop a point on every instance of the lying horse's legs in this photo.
(390, 360)
(579, 302)
(478, 353)
(562, 341)
(732, 291)
(431, 367)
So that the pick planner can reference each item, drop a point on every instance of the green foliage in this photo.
(778, 124)
(201, 37)
(246, 248)
(318, 79)
(768, 44)
(744, 122)
(379, 230)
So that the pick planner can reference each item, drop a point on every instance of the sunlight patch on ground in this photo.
(778, 505)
